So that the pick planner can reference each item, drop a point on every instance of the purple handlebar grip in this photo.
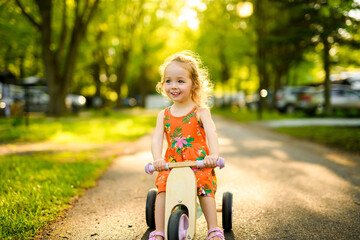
(200, 164)
(149, 168)
(220, 163)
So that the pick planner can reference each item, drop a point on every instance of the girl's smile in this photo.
(178, 83)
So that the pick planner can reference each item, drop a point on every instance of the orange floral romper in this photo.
(186, 140)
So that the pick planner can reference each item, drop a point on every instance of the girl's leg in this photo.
(208, 206)
(160, 213)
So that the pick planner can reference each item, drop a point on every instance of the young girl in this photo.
(190, 133)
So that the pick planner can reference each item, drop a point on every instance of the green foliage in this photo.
(36, 187)
(226, 45)
(128, 40)
(346, 138)
(19, 51)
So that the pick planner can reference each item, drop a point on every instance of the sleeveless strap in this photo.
(166, 113)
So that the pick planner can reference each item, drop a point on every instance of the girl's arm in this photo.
(212, 138)
(157, 143)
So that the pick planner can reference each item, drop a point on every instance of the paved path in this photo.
(283, 188)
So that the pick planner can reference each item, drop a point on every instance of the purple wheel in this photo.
(183, 226)
(178, 225)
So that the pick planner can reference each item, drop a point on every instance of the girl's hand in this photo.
(159, 164)
(210, 161)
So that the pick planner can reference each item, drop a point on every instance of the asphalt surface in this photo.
(283, 188)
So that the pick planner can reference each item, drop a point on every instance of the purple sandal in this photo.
(153, 234)
(217, 232)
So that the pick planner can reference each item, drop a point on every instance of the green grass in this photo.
(246, 115)
(92, 128)
(35, 187)
(346, 138)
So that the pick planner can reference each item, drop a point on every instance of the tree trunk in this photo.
(144, 81)
(261, 52)
(278, 77)
(121, 74)
(95, 67)
(326, 60)
(21, 65)
(98, 63)
(57, 97)
(59, 79)
(7, 58)
(225, 75)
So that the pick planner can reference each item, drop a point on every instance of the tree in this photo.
(261, 30)
(288, 38)
(225, 43)
(17, 50)
(330, 21)
(59, 57)
(126, 22)
(145, 61)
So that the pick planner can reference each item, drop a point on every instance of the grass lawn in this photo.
(35, 187)
(245, 115)
(93, 127)
(344, 138)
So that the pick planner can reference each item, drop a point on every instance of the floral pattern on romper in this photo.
(186, 140)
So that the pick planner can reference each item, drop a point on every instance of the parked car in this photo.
(34, 100)
(38, 100)
(75, 102)
(286, 98)
(252, 100)
(229, 99)
(312, 101)
(353, 78)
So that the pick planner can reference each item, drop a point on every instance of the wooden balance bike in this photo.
(181, 202)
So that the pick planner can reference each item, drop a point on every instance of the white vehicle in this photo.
(340, 97)
(353, 78)
(75, 100)
(286, 98)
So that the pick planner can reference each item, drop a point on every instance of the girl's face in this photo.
(178, 84)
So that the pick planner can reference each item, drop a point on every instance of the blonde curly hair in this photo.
(201, 85)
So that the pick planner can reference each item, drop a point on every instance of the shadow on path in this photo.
(146, 234)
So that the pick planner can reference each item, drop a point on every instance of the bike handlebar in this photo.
(149, 168)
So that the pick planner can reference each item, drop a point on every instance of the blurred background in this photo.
(63, 56)
(77, 88)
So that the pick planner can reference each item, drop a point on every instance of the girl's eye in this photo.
(181, 81)
(167, 81)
